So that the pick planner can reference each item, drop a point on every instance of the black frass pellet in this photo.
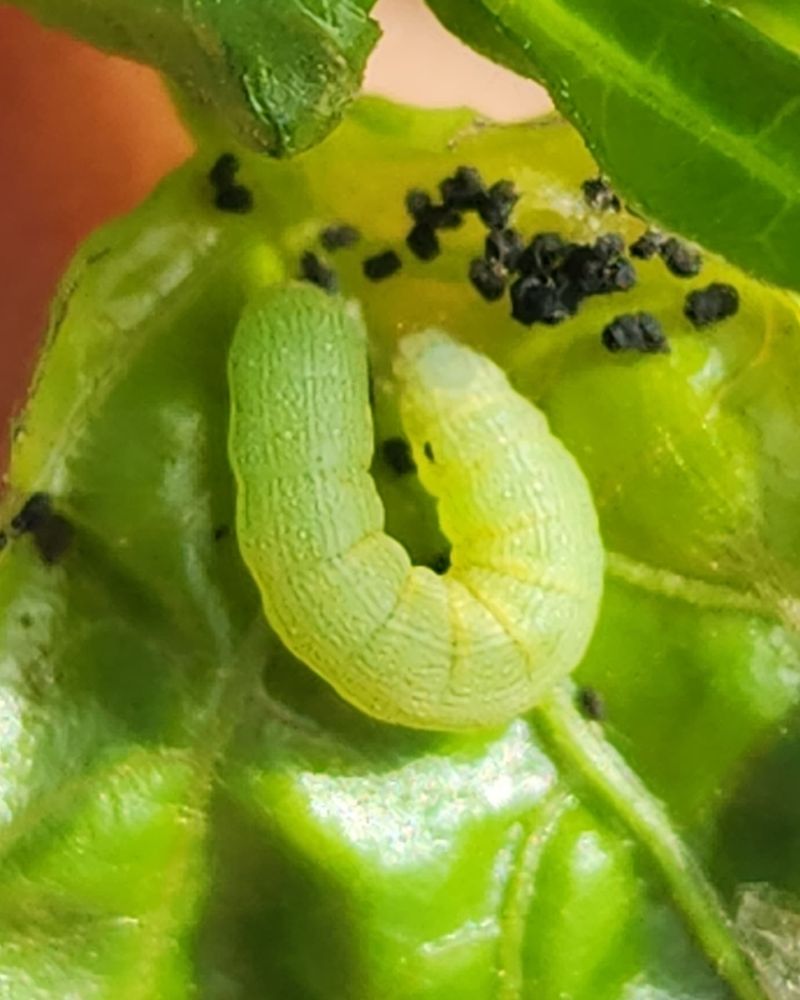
(621, 276)
(609, 245)
(505, 247)
(382, 265)
(53, 538)
(647, 245)
(33, 513)
(464, 191)
(591, 704)
(236, 199)
(51, 532)
(543, 255)
(397, 455)
(440, 563)
(533, 301)
(424, 212)
(423, 242)
(314, 271)
(339, 236)
(683, 260)
(599, 195)
(599, 269)
(488, 278)
(496, 208)
(635, 332)
(228, 195)
(418, 202)
(709, 305)
(224, 171)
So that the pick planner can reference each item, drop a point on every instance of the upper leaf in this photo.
(278, 72)
(780, 19)
(688, 106)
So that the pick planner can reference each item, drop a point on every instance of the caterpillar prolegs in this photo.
(516, 609)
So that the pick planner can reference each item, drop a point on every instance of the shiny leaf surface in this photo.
(186, 810)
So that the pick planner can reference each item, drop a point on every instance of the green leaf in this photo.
(780, 19)
(186, 810)
(656, 91)
(278, 73)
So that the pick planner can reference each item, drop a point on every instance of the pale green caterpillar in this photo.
(515, 611)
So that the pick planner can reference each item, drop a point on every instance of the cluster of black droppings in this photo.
(553, 276)
(314, 270)
(440, 563)
(339, 236)
(428, 217)
(221, 531)
(396, 453)
(228, 195)
(556, 276)
(466, 191)
(51, 532)
(382, 265)
(682, 259)
(599, 195)
(547, 277)
(591, 704)
(635, 332)
(709, 305)
(597, 269)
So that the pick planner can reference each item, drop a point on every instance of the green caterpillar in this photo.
(517, 607)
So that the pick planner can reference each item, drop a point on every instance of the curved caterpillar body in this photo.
(515, 611)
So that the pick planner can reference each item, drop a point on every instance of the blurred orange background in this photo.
(86, 136)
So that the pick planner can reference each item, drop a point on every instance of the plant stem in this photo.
(581, 745)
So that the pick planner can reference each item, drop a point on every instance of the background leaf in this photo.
(187, 810)
(780, 19)
(657, 92)
(279, 73)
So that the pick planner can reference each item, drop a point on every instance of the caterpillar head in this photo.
(445, 388)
